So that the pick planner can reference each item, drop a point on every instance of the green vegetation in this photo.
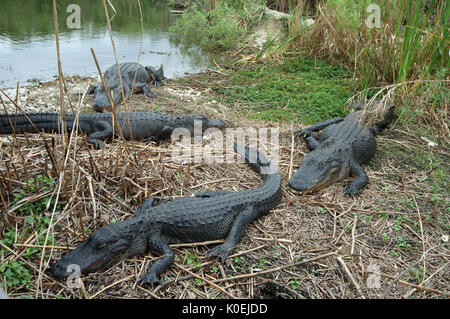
(412, 38)
(36, 185)
(297, 89)
(16, 271)
(220, 27)
(294, 283)
(190, 259)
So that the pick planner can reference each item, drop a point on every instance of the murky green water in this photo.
(28, 48)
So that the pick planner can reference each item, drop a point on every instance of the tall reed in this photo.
(412, 38)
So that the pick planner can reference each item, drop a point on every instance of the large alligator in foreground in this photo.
(132, 73)
(343, 146)
(99, 126)
(209, 215)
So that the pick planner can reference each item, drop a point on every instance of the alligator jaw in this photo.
(214, 123)
(103, 248)
(312, 176)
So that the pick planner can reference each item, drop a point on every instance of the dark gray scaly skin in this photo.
(144, 76)
(98, 126)
(343, 146)
(209, 215)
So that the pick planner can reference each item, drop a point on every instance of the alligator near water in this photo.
(343, 146)
(128, 71)
(209, 215)
(99, 126)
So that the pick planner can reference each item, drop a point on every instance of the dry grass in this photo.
(397, 224)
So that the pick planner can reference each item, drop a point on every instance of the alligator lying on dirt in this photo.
(128, 70)
(209, 215)
(343, 146)
(98, 126)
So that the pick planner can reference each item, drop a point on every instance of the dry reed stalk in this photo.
(114, 110)
(141, 40)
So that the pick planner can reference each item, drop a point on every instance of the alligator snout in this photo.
(215, 123)
(100, 103)
(299, 183)
(63, 270)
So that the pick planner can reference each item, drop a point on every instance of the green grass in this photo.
(421, 159)
(298, 89)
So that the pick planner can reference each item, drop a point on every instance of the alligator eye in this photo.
(100, 245)
(322, 165)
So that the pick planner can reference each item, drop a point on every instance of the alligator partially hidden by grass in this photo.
(99, 126)
(343, 146)
(209, 215)
(135, 77)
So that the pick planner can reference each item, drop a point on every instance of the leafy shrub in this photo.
(217, 29)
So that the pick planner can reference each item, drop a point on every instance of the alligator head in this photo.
(157, 75)
(101, 100)
(199, 122)
(102, 249)
(321, 167)
(208, 122)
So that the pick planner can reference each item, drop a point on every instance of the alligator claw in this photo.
(351, 191)
(306, 132)
(97, 144)
(220, 251)
(150, 279)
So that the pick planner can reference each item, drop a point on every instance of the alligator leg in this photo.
(165, 132)
(161, 265)
(148, 203)
(103, 130)
(319, 126)
(205, 194)
(243, 219)
(312, 142)
(145, 89)
(361, 180)
(91, 89)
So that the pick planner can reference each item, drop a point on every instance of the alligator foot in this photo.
(352, 191)
(242, 220)
(222, 251)
(98, 144)
(157, 83)
(151, 95)
(306, 132)
(146, 90)
(361, 180)
(151, 279)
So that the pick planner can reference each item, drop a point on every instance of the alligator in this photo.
(99, 126)
(343, 146)
(128, 70)
(208, 215)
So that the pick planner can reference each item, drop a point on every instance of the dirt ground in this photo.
(389, 242)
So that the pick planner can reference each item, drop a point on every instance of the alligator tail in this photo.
(257, 160)
(46, 122)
